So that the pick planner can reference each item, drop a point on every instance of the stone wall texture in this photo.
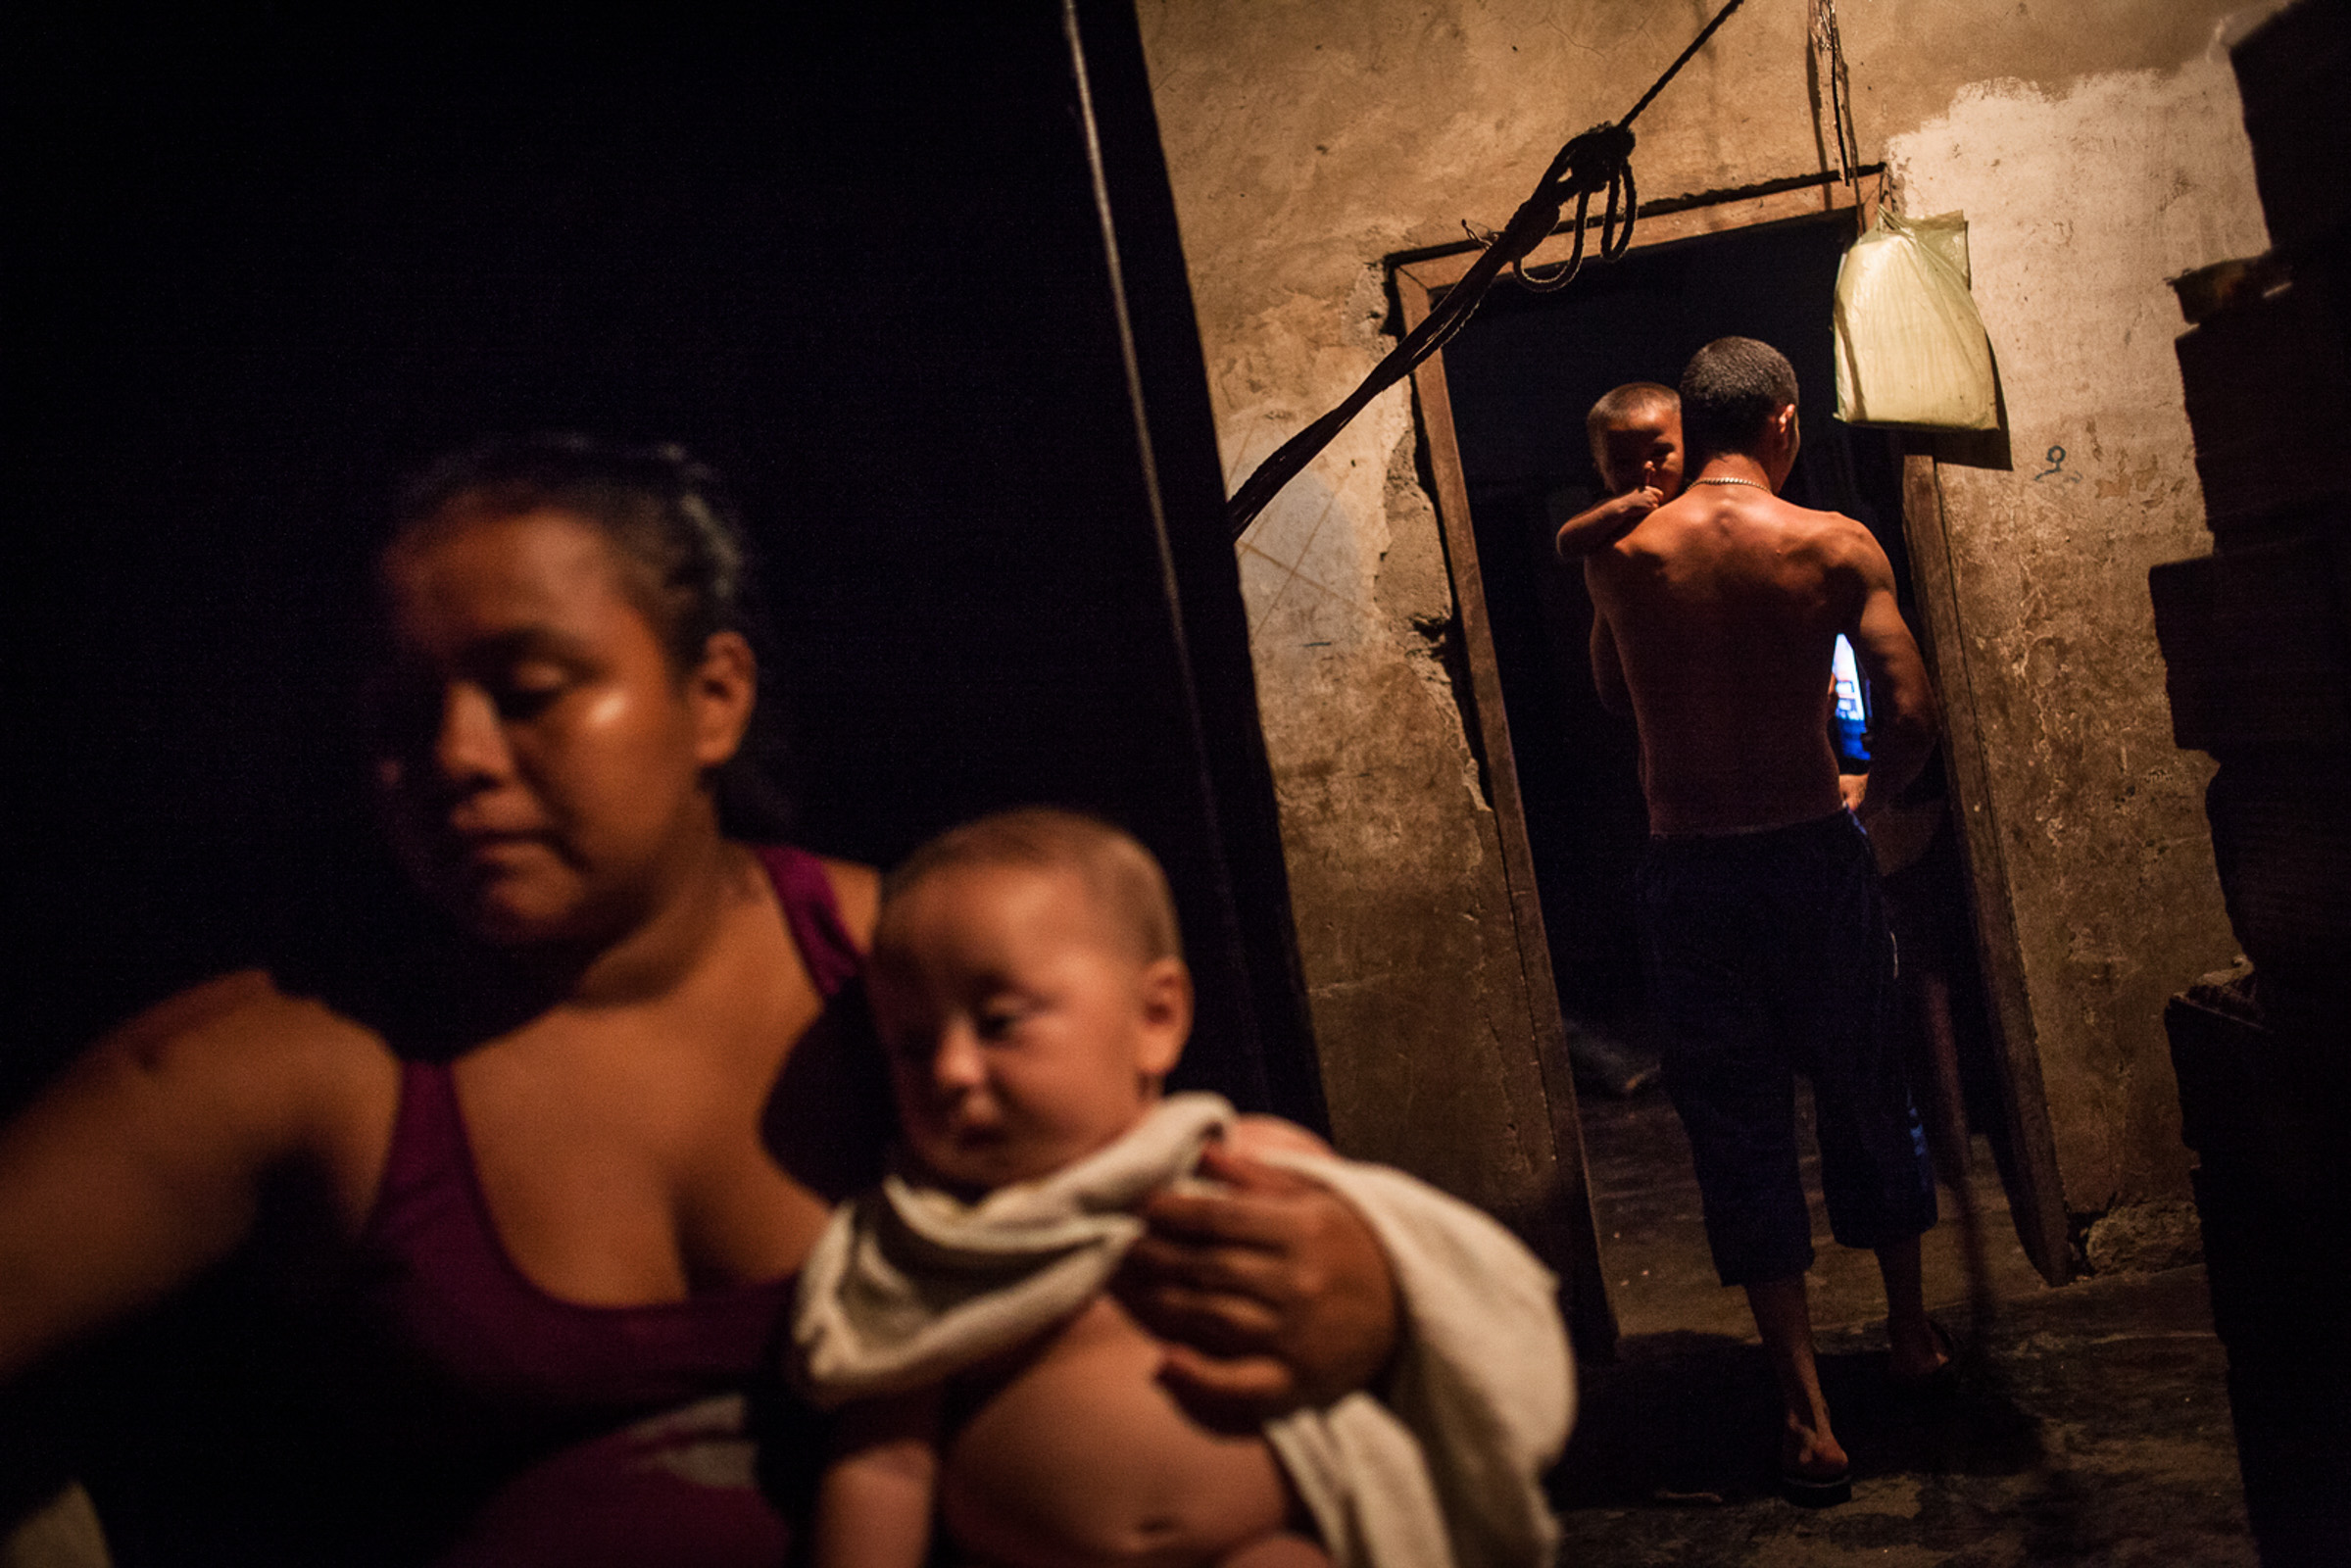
(2097, 149)
(2082, 200)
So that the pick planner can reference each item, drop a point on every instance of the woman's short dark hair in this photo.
(667, 514)
(1730, 391)
(687, 560)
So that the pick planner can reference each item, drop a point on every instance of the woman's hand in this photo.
(1273, 1294)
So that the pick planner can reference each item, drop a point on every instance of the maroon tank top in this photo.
(513, 1375)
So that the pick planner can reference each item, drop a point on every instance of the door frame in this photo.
(1592, 1316)
(1419, 279)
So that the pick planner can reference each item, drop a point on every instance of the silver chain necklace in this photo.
(1725, 479)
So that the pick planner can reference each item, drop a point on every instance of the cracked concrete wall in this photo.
(2082, 201)
(2097, 149)
(1404, 922)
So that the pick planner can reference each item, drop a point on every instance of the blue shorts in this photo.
(1768, 956)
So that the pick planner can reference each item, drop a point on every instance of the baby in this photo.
(1636, 435)
(1027, 985)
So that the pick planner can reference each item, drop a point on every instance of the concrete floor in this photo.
(2092, 1426)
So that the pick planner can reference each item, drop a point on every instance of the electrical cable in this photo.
(1597, 162)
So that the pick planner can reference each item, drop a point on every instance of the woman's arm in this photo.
(145, 1162)
(876, 1496)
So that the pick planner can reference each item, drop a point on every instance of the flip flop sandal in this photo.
(1815, 1491)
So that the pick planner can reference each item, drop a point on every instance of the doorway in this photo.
(1504, 412)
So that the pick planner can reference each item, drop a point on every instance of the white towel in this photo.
(909, 1285)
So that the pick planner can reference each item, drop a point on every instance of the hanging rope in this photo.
(1613, 239)
(1595, 163)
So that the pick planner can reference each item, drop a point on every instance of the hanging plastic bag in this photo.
(1910, 347)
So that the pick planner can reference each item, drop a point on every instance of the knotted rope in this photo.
(1598, 162)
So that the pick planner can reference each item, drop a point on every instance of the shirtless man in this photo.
(1715, 621)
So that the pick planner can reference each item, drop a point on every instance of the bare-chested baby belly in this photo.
(1081, 1459)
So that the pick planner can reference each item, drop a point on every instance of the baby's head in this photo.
(1029, 988)
(1637, 425)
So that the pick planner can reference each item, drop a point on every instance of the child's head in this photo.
(1028, 986)
(1637, 425)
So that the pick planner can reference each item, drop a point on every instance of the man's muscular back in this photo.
(1715, 621)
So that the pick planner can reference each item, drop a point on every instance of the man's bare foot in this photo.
(1813, 1456)
(1919, 1355)
(1814, 1472)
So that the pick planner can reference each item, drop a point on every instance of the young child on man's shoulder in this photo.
(1028, 985)
(1636, 435)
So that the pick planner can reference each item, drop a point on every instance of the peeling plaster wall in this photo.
(1402, 920)
(1307, 140)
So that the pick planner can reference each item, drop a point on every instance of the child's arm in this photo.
(1598, 527)
(875, 1499)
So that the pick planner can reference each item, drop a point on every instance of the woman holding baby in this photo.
(541, 1188)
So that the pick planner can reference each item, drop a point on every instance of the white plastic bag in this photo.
(1910, 347)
